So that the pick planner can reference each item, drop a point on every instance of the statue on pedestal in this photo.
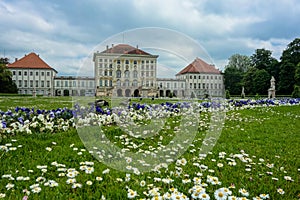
(271, 90)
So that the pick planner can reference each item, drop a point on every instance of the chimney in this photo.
(112, 45)
(106, 47)
(137, 46)
(16, 59)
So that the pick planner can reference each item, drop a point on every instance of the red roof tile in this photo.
(125, 49)
(30, 61)
(199, 66)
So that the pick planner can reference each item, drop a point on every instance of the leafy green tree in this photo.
(262, 59)
(256, 81)
(6, 82)
(292, 53)
(261, 81)
(296, 91)
(237, 66)
(297, 75)
(240, 62)
(233, 80)
(289, 73)
(286, 78)
(248, 81)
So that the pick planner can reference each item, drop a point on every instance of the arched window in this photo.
(118, 73)
(135, 83)
(135, 74)
(126, 83)
(127, 74)
(118, 83)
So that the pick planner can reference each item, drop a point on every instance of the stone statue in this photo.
(272, 81)
(271, 90)
(243, 92)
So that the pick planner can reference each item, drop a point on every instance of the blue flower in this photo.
(21, 120)
(4, 124)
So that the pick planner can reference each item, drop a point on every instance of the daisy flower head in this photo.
(264, 196)
(89, 170)
(71, 181)
(182, 161)
(220, 194)
(142, 183)
(244, 192)
(280, 191)
(89, 182)
(36, 190)
(204, 196)
(131, 194)
(48, 149)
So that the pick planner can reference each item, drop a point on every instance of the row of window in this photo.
(206, 86)
(126, 61)
(110, 66)
(203, 77)
(25, 73)
(167, 85)
(126, 73)
(126, 83)
(74, 84)
(38, 92)
(33, 84)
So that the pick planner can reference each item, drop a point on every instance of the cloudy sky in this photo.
(66, 33)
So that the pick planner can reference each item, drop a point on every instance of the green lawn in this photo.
(258, 150)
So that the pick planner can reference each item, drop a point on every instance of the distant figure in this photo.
(243, 93)
(101, 103)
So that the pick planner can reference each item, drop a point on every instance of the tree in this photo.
(6, 82)
(248, 81)
(240, 62)
(262, 59)
(297, 75)
(286, 78)
(292, 53)
(296, 91)
(233, 80)
(261, 81)
(234, 72)
(289, 73)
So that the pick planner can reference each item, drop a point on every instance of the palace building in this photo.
(125, 71)
(119, 71)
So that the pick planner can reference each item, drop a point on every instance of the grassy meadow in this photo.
(256, 157)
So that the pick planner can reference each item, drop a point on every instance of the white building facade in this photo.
(74, 86)
(202, 80)
(125, 71)
(32, 75)
(171, 87)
